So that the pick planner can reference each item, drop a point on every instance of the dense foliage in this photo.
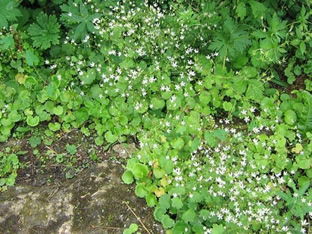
(216, 92)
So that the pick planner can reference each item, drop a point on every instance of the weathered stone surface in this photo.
(90, 203)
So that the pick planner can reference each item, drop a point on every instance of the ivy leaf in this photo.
(8, 12)
(45, 32)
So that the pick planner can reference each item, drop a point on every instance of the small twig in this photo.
(138, 218)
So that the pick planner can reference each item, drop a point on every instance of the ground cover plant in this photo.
(215, 93)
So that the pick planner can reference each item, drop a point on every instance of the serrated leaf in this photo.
(177, 203)
(177, 144)
(167, 222)
(189, 215)
(159, 213)
(45, 32)
(255, 90)
(31, 58)
(217, 229)
(139, 170)
(258, 9)
(140, 190)
(8, 12)
(241, 10)
(305, 120)
(7, 42)
(164, 201)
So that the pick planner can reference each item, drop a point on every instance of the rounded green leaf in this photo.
(54, 126)
(164, 201)
(158, 172)
(290, 117)
(151, 200)
(15, 116)
(58, 110)
(109, 137)
(157, 103)
(32, 121)
(139, 170)
(177, 203)
(189, 215)
(167, 222)
(133, 227)
(178, 143)
(140, 190)
(127, 177)
(159, 213)
(6, 122)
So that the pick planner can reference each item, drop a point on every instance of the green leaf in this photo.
(241, 10)
(88, 77)
(305, 120)
(158, 172)
(139, 170)
(211, 139)
(45, 32)
(231, 41)
(32, 121)
(127, 177)
(109, 137)
(164, 201)
(54, 126)
(177, 203)
(71, 149)
(255, 90)
(290, 117)
(151, 200)
(159, 213)
(217, 229)
(34, 141)
(7, 41)
(31, 58)
(258, 9)
(189, 215)
(8, 12)
(140, 190)
(58, 110)
(177, 144)
(304, 184)
(167, 222)
(133, 227)
(157, 103)
(14, 116)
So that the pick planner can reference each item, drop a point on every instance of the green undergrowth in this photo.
(216, 92)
